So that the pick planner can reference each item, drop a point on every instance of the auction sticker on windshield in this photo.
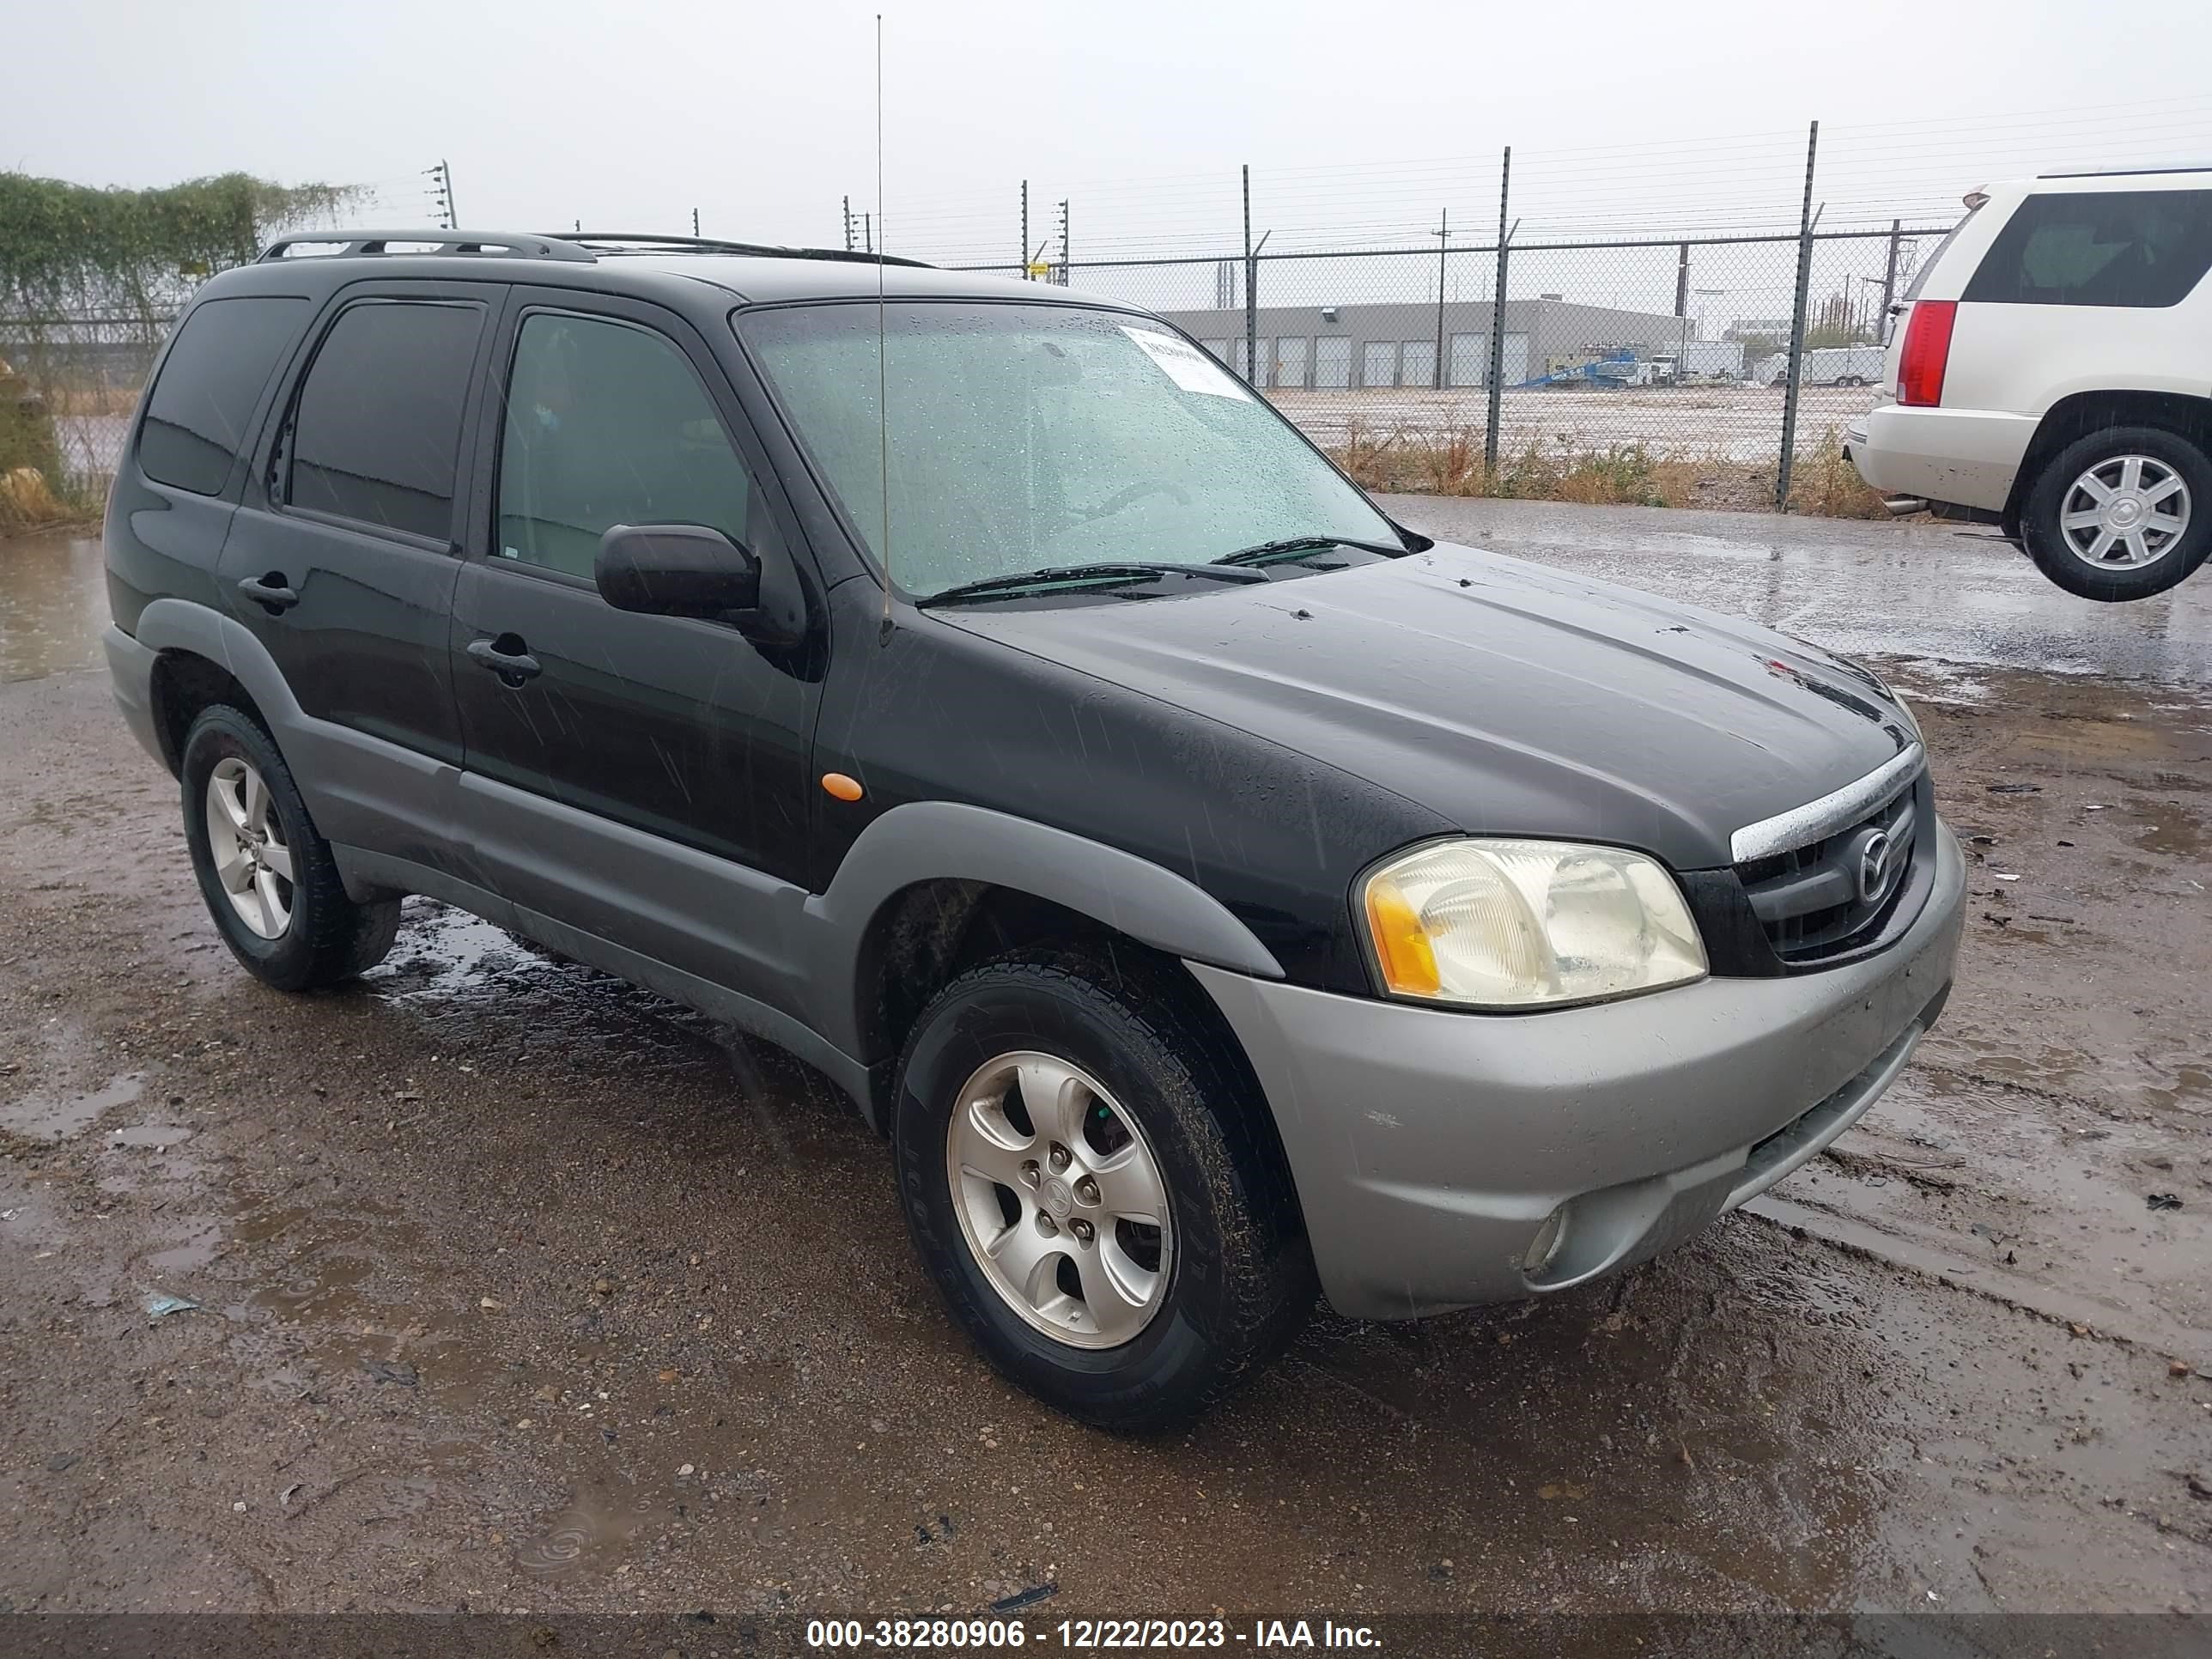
(1186, 365)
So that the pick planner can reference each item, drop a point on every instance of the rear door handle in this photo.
(272, 591)
(507, 657)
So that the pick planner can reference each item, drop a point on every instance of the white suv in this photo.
(2053, 372)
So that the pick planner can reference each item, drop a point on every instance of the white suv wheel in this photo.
(2125, 512)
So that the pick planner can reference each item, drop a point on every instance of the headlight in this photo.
(1521, 924)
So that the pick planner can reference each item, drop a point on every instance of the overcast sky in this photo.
(1358, 119)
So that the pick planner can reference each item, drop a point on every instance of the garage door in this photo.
(1332, 363)
(1470, 358)
(1378, 363)
(1416, 363)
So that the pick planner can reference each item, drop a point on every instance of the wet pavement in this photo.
(512, 1287)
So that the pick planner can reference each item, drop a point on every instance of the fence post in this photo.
(1025, 230)
(1889, 276)
(1797, 330)
(1443, 241)
(1251, 304)
(1498, 318)
(1066, 264)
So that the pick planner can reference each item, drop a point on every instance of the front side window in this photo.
(378, 425)
(608, 423)
(1023, 437)
(210, 381)
(2121, 248)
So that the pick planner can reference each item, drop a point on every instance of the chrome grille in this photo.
(1827, 894)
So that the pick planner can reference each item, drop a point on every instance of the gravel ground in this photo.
(520, 1289)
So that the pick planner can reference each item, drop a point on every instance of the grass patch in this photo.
(1449, 461)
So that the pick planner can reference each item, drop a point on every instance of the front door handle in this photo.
(507, 657)
(271, 592)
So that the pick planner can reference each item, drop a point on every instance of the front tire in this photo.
(2120, 514)
(1096, 1188)
(267, 874)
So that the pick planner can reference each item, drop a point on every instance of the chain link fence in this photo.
(1687, 367)
(1674, 369)
(69, 385)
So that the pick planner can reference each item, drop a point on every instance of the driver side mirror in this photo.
(676, 570)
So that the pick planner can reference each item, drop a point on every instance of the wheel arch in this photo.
(930, 888)
(2079, 414)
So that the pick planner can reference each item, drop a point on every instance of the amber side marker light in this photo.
(839, 785)
(1407, 959)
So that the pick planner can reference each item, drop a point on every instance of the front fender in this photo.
(927, 841)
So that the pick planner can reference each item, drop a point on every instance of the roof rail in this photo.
(618, 242)
(2123, 172)
(476, 244)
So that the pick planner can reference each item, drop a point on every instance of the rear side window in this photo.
(210, 381)
(2134, 248)
(378, 424)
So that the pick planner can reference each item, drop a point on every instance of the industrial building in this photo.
(1327, 348)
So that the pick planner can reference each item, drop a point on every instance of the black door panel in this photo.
(618, 748)
(352, 595)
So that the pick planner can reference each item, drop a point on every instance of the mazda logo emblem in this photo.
(1877, 862)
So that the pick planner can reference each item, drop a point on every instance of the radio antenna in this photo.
(883, 376)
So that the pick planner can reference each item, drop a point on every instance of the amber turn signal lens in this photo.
(1408, 961)
(839, 785)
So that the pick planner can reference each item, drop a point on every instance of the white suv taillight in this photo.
(1926, 352)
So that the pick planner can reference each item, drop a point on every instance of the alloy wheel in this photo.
(246, 839)
(1060, 1199)
(2125, 512)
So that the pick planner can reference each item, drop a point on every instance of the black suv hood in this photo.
(1508, 697)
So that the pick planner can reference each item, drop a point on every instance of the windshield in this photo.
(1023, 437)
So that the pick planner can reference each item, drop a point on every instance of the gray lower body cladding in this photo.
(1429, 1147)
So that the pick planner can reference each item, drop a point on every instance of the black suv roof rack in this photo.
(623, 241)
(483, 244)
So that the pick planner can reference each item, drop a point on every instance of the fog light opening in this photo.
(1546, 1245)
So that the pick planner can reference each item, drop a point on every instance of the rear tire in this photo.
(1119, 1060)
(267, 874)
(2065, 522)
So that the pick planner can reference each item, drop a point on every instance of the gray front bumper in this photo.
(1430, 1146)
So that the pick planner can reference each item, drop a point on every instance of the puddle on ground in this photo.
(54, 604)
(150, 1137)
(200, 1241)
(470, 980)
(59, 1117)
(589, 1535)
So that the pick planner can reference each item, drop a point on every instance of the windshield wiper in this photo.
(1019, 583)
(1297, 546)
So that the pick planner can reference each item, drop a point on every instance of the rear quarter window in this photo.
(2134, 247)
(196, 421)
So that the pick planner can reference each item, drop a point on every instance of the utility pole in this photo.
(1797, 329)
(848, 224)
(1444, 240)
(1064, 260)
(442, 194)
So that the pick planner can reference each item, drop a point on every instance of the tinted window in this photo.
(379, 421)
(210, 381)
(608, 424)
(2136, 247)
